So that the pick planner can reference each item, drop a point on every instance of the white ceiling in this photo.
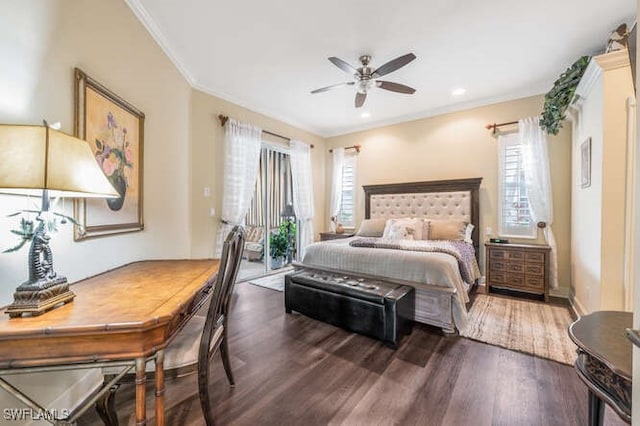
(268, 55)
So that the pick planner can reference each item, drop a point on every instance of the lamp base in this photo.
(37, 301)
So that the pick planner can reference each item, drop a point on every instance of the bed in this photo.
(441, 292)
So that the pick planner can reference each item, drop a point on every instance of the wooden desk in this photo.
(604, 361)
(125, 317)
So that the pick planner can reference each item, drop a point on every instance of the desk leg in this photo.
(160, 388)
(141, 379)
(596, 410)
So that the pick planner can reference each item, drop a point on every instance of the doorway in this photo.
(270, 221)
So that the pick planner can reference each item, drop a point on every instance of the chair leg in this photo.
(224, 354)
(106, 407)
(203, 388)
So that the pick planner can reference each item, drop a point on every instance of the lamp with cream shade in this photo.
(38, 160)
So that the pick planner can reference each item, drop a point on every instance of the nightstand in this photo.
(518, 267)
(324, 236)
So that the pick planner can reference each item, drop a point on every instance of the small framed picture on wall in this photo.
(585, 162)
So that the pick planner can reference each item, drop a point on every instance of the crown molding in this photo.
(143, 16)
(587, 82)
(613, 60)
(597, 66)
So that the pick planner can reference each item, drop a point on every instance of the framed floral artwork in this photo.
(114, 130)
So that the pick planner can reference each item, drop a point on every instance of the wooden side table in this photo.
(324, 236)
(604, 362)
(518, 267)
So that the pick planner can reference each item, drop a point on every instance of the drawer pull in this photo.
(535, 269)
(515, 267)
(534, 257)
(516, 255)
(498, 266)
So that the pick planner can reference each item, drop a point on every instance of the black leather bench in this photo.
(372, 307)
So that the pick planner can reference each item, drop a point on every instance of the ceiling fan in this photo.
(366, 78)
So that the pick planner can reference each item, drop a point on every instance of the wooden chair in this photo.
(202, 336)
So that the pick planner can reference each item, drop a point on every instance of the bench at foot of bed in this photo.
(372, 307)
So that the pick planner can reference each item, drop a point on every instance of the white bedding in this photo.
(422, 268)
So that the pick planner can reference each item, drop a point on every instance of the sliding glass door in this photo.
(270, 221)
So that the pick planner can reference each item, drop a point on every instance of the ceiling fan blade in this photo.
(395, 87)
(333, 86)
(344, 66)
(393, 65)
(360, 98)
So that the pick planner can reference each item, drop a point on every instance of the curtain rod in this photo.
(495, 126)
(356, 147)
(224, 118)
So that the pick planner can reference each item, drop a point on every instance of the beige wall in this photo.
(457, 146)
(40, 44)
(207, 164)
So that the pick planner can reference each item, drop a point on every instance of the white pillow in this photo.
(403, 229)
(468, 233)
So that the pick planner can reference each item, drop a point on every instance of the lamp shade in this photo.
(34, 158)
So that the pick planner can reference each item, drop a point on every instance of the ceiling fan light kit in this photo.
(366, 78)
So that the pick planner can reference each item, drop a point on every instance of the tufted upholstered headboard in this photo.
(441, 199)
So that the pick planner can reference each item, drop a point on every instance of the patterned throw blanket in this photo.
(461, 250)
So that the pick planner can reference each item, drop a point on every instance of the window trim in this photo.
(503, 142)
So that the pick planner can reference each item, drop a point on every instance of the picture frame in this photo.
(585, 163)
(114, 130)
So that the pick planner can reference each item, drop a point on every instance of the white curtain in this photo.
(241, 158)
(336, 185)
(537, 177)
(302, 181)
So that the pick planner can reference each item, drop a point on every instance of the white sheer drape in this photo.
(302, 180)
(535, 163)
(336, 185)
(241, 158)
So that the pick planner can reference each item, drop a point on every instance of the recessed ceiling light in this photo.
(458, 92)
(365, 114)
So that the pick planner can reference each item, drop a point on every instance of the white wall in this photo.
(586, 214)
(598, 211)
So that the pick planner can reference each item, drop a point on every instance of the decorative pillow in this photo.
(426, 229)
(372, 227)
(447, 229)
(468, 233)
(399, 231)
(403, 229)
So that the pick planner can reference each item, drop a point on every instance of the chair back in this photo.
(223, 288)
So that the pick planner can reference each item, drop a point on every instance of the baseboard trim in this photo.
(577, 307)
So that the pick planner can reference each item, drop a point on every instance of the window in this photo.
(514, 214)
(348, 199)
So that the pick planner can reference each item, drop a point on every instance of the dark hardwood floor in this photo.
(292, 370)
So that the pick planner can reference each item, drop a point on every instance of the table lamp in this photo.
(38, 160)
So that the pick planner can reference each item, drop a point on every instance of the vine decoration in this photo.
(557, 100)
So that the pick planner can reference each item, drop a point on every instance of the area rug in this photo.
(274, 282)
(535, 328)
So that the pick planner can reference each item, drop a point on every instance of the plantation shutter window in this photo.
(514, 211)
(347, 200)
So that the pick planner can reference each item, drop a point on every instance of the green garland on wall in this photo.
(558, 98)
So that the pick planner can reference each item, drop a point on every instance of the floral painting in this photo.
(114, 130)
(114, 155)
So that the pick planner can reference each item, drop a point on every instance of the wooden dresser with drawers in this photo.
(518, 267)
